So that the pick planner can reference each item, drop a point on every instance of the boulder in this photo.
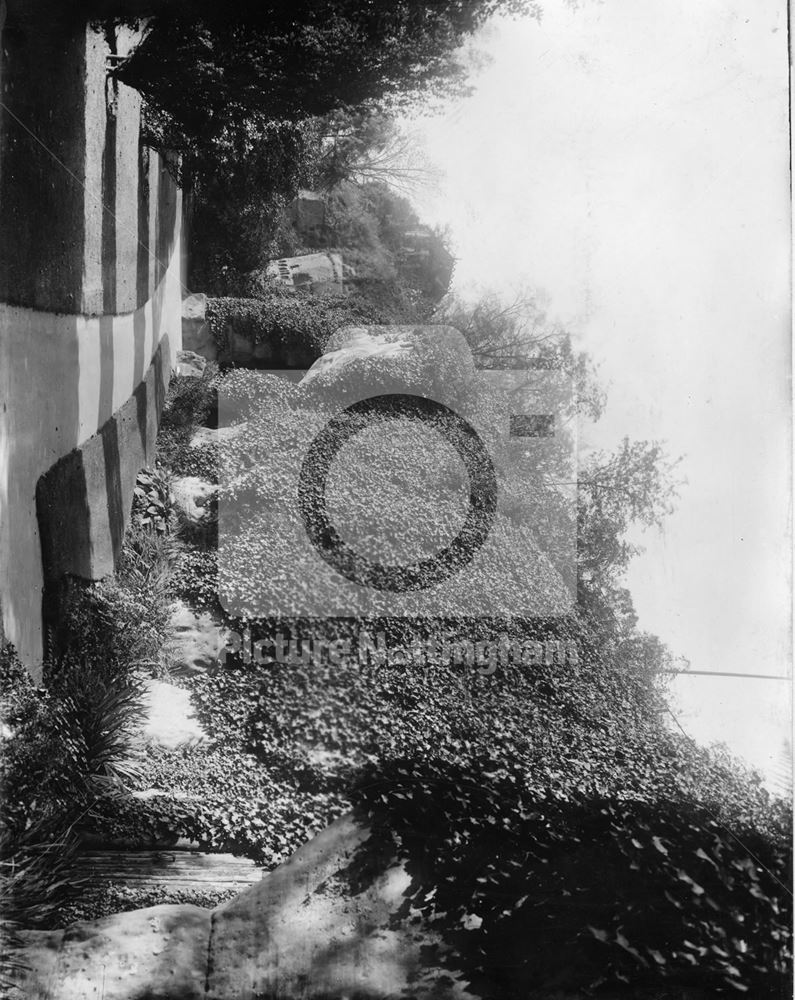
(159, 952)
(194, 498)
(433, 361)
(197, 639)
(329, 922)
(304, 931)
(190, 364)
(194, 307)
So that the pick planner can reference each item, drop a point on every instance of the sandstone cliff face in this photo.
(303, 932)
(157, 952)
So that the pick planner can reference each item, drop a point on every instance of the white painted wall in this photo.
(50, 390)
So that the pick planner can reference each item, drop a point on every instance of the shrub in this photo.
(64, 747)
(240, 190)
(78, 739)
(39, 793)
(34, 883)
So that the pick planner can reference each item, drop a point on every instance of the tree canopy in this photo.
(210, 69)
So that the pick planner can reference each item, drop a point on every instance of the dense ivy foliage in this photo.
(195, 577)
(191, 402)
(628, 887)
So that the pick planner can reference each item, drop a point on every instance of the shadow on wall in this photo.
(83, 500)
(44, 87)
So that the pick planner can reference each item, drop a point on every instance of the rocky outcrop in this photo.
(159, 952)
(364, 361)
(190, 364)
(307, 930)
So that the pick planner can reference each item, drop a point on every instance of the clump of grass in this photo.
(124, 618)
(63, 747)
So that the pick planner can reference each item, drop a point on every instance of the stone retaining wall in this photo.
(90, 309)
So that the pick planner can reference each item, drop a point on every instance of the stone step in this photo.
(174, 869)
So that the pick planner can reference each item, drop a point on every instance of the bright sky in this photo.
(630, 160)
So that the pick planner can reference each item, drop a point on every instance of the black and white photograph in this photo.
(396, 474)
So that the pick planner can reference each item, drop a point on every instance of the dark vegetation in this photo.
(215, 76)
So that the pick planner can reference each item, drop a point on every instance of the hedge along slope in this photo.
(296, 322)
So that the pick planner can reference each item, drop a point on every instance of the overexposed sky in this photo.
(629, 159)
